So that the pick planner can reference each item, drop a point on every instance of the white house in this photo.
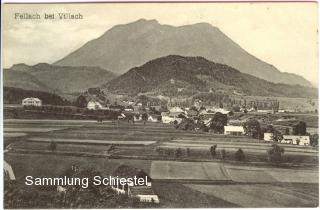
(221, 110)
(94, 105)
(268, 136)
(176, 110)
(153, 118)
(143, 192)
(31, 102)
(233, 130)
(169, 118)
(299, 140)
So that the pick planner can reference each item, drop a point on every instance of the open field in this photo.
(262, 195)
(194, 180)
(259, 189)
(90, 141)
(188, 171)
(138, 140)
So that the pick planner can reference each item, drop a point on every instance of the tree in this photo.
(213, 150)
(300, 128)
(218, 122)
(223, 154)
(144, 118)
(81, 102)
(52, 146)
(178, 153)
(314, 140)
(239, 155)
(275, 153)
(236, 108)
(252, 128)
(188, 152)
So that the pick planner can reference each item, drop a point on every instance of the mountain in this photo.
(178, 75)
(52, 78)
(126, 46)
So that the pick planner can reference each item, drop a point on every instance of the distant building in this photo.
(31, 102)
(176, 110)
(94, 105)
(298, 140)
(268, 136)
(266, 111)
(154, 118)
(143, 192)
(169, 118)
(192, 113)
(233, 130)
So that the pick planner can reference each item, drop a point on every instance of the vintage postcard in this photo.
(160, 105)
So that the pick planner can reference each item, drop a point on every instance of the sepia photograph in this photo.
(160, 105)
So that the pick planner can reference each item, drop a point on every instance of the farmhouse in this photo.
(176, 110)
(170, 118)
(192, 113)
(268, 136)
(267, 111)
(94, 105)
(298, 140)
(143, 192)
(233, 130)
(154, 118)
(31, 102)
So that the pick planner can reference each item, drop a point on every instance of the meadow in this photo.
(193, 180)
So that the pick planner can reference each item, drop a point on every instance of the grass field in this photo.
(262, 195)
(176, 179)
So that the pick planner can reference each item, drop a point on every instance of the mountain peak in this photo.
(144, 21)
(133, 44)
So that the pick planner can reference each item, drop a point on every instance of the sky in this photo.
(282, 34)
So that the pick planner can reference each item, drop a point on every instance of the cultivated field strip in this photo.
(172, 170)
(245, 146)
(90, 141)
(257, 195)
(12, 135)
(234, 149)
(233, 141)
(32, 129)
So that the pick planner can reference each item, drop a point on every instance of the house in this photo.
(266, 111)
(143, 192)
(268, 136)
(221, 110)
(154, 118)
(176, 110)
(31, 102)
(192, 113)
(233, 130)
(298, 140)
(206, 114)
(137, 117)
(8, 172)
(169, 118)
(129, 109)
(94, 105)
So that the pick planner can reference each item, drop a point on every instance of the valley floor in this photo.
(190, 180)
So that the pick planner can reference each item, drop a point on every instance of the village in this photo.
(269, 124)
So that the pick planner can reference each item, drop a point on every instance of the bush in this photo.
(52, 146)
(223, 154)
(178, 153)
(275, 154)
(213, 150)
(239, 155)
